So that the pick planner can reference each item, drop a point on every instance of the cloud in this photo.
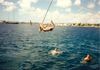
(26, 4)
(98, 12)
(68, 10)
(1, 1)
(64, 3)
(91, 5)
(58, 17)
(28, 12)
(9, 6)
(38, 14)
(91, 18)
(78, 2)
(99, 2)
(78, 17)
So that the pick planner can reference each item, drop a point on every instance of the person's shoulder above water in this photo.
(56, 51)
(88, 58)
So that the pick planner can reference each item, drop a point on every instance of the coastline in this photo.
(96, 25)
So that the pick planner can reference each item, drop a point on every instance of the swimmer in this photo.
(87, 59)
(56, 51)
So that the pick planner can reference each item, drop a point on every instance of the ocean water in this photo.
(23, 47)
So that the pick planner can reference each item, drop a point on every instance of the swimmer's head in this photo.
(56, 49)
(88, 55)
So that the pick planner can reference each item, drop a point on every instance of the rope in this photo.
(47, 11)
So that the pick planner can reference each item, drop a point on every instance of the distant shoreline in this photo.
(80, 25)
(96, 25)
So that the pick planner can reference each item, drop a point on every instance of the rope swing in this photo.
(47, 27)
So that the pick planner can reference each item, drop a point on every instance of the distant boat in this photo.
(30, 22)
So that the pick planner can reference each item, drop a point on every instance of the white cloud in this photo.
(91, 18)
(1, 1)
(98, 12)
(64, 3)
(26, 4)
(91, 5)
(54, 15)
(68, 9)
(8, 6)
(99, 2)
(27, 12)
(37, 14)
(73, 17)
(81, 17)
(78, 2)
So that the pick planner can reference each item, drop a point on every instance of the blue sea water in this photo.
(23, 47)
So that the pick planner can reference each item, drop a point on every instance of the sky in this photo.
(61, 11)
